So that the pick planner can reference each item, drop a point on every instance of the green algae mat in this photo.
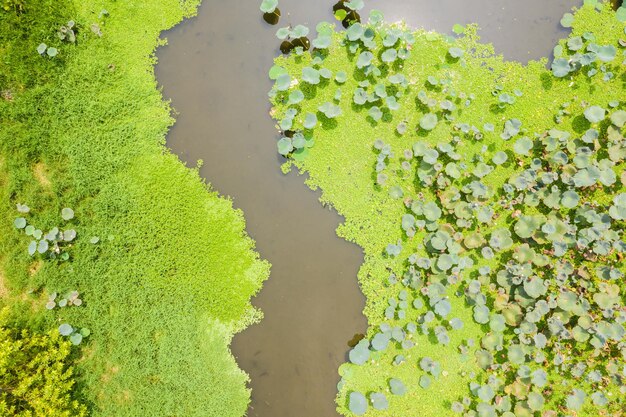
(106, 239)
(488, 197)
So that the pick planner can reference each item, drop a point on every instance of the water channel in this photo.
(215, 72)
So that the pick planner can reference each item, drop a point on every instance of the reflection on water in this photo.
(215, 72)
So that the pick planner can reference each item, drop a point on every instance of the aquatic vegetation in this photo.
(36, 374)
(162, 261)
(489, 199)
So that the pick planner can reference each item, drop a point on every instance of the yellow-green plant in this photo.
(35, 378)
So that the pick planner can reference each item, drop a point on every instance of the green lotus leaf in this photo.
(561, 67)
(269, 6)
(397, 386)
(567, 20)
(310, 75)
(431, 211)
(535, 401)
(425, 381)
(65, 329)
(310, 121)
(428, 121)
(523, 146)
(595, 114)
(619, 118)
(365, 59)
(357, 403)
(283, 82)
(456, 52)
(379, 401)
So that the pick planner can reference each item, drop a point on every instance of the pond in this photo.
(215, 72)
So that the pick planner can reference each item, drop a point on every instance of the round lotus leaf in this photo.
(560, 67)
(443, 308)
(485, 393)
(456, 52)
(310, 75)
(525, 226)
(481, 314)
(523, 145)
(397, 386)
(599, 399)
(283, 81)
(428, 121)
(295, 97)
(570, 199)
(567, 300)
(310, 121)
(389, 56)
(618, 118)
(375, 113)
(276, 71)
(607, 53)
(425, 381)
(500, 239)
(269, 6)
(539, 378)
(379, 401)
(497, 323)
(535, 287)
(516, 354)
(67, 213)
(575, 400)
(535, 401)
(69, 235)
(567, 20)
(431, 211)
(499, 158)
(76, 339)
(380, 341)
(575, 43)
(360, 353)
(357, 403)
(484, 359)
(364, 59)
(285, 146)
(43, 246)
(19, 223)
(65, 329)
(491, 341)
(595, 114)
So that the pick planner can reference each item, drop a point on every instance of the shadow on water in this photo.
(215, 71)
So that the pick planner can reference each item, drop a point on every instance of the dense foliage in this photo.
(489, 200)
(35, 378)
(106, 237)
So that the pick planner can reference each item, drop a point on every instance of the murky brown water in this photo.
(215, 72)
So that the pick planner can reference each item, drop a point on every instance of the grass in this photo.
(170, 281)
(342, 161)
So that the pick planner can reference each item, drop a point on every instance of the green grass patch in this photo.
(169, 278)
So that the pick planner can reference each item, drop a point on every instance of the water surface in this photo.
(215, 71)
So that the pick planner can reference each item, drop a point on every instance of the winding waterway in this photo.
(215, 72)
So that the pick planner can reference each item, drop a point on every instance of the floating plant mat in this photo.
(489, 200)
